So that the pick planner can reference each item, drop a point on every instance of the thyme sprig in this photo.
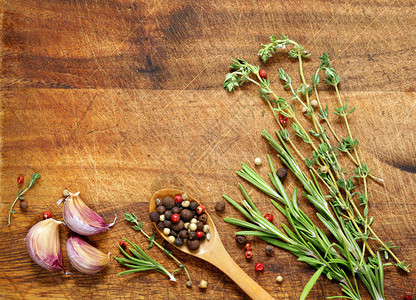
(20, 194)
(346, 215)
(151, 239)
(139, 261)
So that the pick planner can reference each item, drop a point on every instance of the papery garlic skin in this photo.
(43, 244)
(81, 219)
(84, 257)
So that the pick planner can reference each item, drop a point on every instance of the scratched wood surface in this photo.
(118, 99)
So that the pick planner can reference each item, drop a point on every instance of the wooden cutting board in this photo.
(117, 99)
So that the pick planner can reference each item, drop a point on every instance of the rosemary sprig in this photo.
(324, 164)
(20, 194)
(151, 239)
(140, 261)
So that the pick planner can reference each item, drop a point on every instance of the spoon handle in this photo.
(225, 263)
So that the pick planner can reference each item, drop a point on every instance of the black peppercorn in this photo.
(23, 205)
(192, 235)
(220, 206)
(168, 202)
(281, 173)
(269, 250)
(186, 215)
(168, 215)
(158, 202)
(184, 234)
(178, 226)
(176, 210)
(193, 205)
(241, 239)
(178, 242)
(154, 216)
(193, 244)
(173, 233)
(203, 218)
(200, 226)
(167, 223)
(160, 225)
(161, 210)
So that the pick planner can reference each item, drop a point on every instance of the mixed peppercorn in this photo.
(181, 220)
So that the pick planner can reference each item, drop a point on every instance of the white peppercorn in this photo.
(203, 284)
(162, 218)
(171, 239)
(279, 278)
(192, 227)
(314, 103)
(206, 228)
(186, 225)
(185, 203)
(166, 231)
(194, 221)
(184, 197)
(257, 161)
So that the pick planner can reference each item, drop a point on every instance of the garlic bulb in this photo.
(80, 218)
(43, 244)
(84, 257)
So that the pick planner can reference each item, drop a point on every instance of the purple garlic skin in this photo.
(81, 219)
(84, 257)
(43, 245)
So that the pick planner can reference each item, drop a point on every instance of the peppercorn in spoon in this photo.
(211, 250)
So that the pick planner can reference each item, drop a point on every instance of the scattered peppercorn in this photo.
(220, 206)
(20, 179)
(154, 216)
(262, 74)
(189, 284)
(257, 161)
(281, 173)
(248, 254)
(65, 193)
(282, 119)
(23, 205)
(259, 267)
(279, 278)
(268, 217)
(203, 284)
(241, 239)
(314, 103)
(123, 245)
(178, 198)
(408, 295)
(269, 250)
(47, 215)
(247, 247)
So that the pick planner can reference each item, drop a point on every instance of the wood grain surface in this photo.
(117, 99)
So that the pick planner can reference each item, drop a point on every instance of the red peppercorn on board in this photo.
(118, 99)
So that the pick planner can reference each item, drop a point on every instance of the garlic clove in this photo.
(84, 257)
(43, 244)
(80, 218)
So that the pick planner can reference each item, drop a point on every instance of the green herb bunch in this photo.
(346, 214)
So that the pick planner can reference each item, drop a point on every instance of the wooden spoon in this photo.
(213, 251)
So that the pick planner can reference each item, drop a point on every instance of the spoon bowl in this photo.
(213, 251)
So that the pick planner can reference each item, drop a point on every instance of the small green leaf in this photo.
(311, 283)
